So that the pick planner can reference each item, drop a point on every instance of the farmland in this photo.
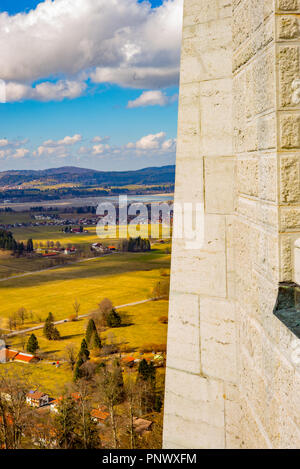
(39, 286)
(123, 277)
(145, 329)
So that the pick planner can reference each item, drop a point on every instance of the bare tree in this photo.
(100, 316)
(71, 355)
(131, 395)
(22, 314)
(76, 307)
(107, 393)
(14, 413)
(13, 322)
(23, 341)
(87, 430)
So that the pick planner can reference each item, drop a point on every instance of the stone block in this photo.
(218, 339)
(297, 261)
(216, 117)
(288, 71)
(290, 131)
(288, 27)
(288, 5)
(194, 411)
(184, 333)
(219, 184)
(290, 178)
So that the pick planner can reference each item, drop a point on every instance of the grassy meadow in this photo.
(124, 278)
(121, 277)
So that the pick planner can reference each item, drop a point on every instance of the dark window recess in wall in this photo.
(287, 308)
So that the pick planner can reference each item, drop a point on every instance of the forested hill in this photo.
(146, 176)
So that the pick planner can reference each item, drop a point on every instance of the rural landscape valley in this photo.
(83, 325)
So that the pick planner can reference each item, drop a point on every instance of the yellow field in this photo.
(144, 329)
(55, 233)
(43, 376)
(123, 278)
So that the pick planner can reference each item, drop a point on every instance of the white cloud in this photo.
(134, 77)
(58, 147)
(116, 41)
(153, 143)
(150, 142)
(64, 141)
(151, 98)
(46, 91)
(99, 139)
(100, 149)
(20, 153)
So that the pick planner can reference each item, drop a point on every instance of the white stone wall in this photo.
(231, 377)
(202, 361)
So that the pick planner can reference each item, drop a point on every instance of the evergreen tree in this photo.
(29, 247)
(90, 330)
(95, 342)
(113, 319)
(83, 356)
(146, 381)
(84, 351)
(89, 433)
(32, 344)
(50, 331)
(77, 371)
(65, 424)
(117, 377)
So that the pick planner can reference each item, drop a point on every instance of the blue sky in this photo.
(96, 87)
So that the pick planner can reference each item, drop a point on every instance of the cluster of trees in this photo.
(136, 245)
(73, 427)
(50, 331)
(137, 394)
(8, 243)
(17, 318)
(91, 343)
(22, 427)
(107, 315)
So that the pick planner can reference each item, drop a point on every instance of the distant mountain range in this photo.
(90, 177)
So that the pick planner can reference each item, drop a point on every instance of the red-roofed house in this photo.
(26, 358)
(128, 361)
(11, 355)
(56, 402)
(100, 415)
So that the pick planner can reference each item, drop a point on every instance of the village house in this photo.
(100, 415)
(99, 247)
(56, 402)
(37, 399)
(10, 355)
(128, 361)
